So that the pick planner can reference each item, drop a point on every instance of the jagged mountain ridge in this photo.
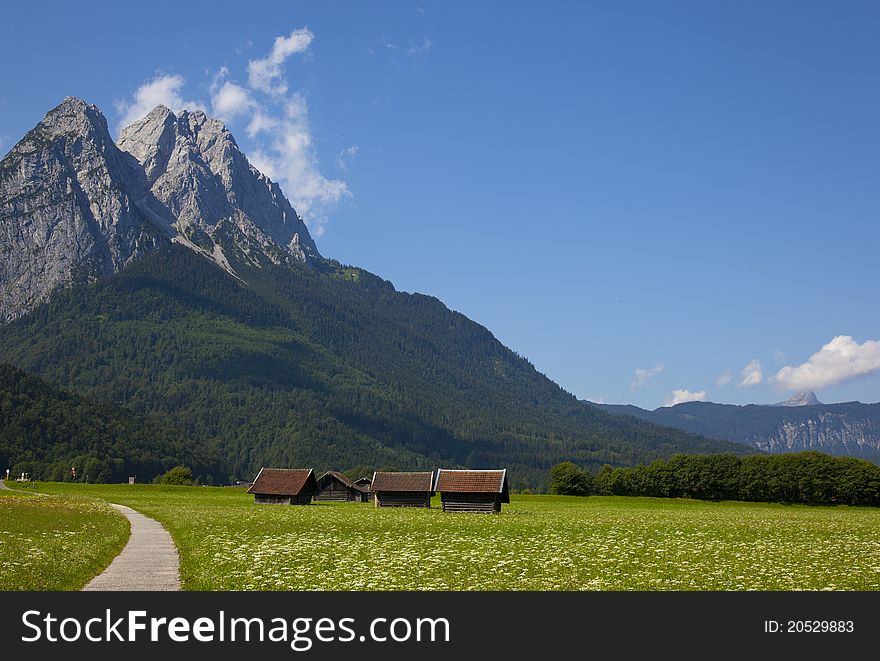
(196, 170)
(849, 429)
(807, 398)
(74, 207)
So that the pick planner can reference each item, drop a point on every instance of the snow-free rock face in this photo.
(75, 207)
(220, 201)
(807, 398)
(849, 428)
(71, 207)
(837, 430)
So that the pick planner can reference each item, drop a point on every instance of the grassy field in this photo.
(538, 543)
(56, 543)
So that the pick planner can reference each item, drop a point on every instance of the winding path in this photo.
(3, 486)
(149, 561)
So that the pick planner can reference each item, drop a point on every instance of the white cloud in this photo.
(284, 148)
(779, 356)
(421, 48)
(163, 90)
(287, 155)
(752, 374)
(839, 361)
(265, 74)
(643, 376)
(382, 41)
(346, 156)
(724, 379)
(230, 101)
(276, 121)
(261, 122)
(681, 395)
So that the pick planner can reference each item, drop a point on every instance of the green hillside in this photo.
(327, 367)
(46, 431)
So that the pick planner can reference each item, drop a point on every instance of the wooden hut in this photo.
(402, 489)
(472, 490)
(364, 482)
(333, 485)
(284, 486)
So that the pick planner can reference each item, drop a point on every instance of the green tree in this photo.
(566, 479)
(179, 475)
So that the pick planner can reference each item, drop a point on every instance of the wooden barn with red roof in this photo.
(402, 489)
(284, 486)
(472, 490)
(334, 486)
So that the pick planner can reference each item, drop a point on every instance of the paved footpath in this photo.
(148, 562)
(3, 486)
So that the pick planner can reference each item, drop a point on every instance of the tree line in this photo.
(812, 478)
(52, 434)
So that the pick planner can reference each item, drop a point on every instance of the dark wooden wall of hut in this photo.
(337, 492)
(334, 491)
(471, 502)
(264, 499)
(304, 498)
(403, 499)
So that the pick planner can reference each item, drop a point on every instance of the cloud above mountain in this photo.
(265, 74)
(682, 395)
(162, 90)
(644, 376)
(752, 374)
(230, 100)
(276, 127)
(839, 361)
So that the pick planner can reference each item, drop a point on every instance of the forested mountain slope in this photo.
(47, 431)
(295, 365)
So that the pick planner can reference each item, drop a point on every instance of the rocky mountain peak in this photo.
(72, 207)
(807, 398)
(76, 126)
(74, 116)
(150, 140)
(221, 202)
(76, 205)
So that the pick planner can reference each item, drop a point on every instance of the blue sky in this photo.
(652, 201)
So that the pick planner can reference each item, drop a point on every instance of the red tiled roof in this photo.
(281, 481)
(403, 481)
(471, 481)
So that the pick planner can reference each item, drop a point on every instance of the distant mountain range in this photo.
(807, 398)
(799, 423)
(166, 275)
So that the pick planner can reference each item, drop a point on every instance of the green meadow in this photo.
(226, 542)
(56, 543)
